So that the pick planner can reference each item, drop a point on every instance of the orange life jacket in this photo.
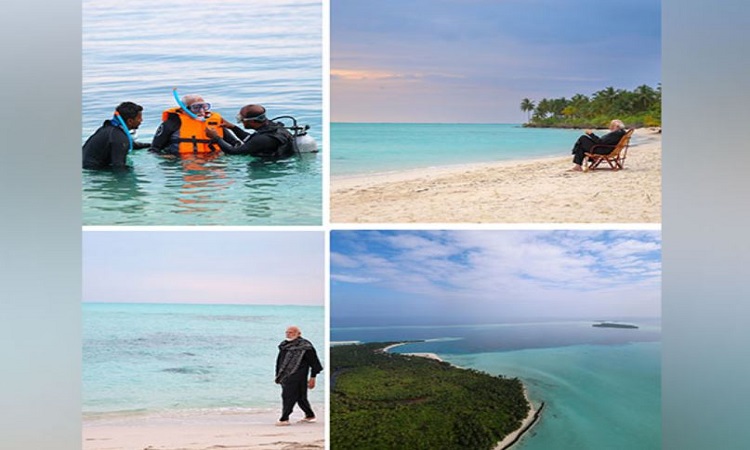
(192, 132)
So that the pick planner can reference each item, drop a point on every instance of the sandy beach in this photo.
(526, 425)
(528, 191)
(239, 431)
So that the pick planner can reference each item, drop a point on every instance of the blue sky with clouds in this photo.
(227, 267)
(465, 277)
(474, 60)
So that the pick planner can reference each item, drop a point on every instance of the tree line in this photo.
(640, 107)
(382, 401)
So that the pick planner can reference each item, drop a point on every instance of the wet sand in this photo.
(204, 431)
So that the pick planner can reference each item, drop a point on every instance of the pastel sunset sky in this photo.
(473, 61)
(223, 267)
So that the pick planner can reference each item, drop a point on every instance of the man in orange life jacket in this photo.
(181, 134)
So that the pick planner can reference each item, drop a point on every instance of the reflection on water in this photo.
(139, 50)
(216, 190)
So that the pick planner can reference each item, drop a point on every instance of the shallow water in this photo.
(232, 53)
(225, 190)
(172, 359)
(601, 386)
(360, 148)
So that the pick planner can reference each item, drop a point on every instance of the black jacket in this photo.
(310, 364)
(107, 148)
(611, 138)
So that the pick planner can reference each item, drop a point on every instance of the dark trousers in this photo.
(583, 145)
(295, 391)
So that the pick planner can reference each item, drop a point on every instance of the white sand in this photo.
(424, 355)
(385, 349)
(529, 191)
(526, 421)
(237, 431)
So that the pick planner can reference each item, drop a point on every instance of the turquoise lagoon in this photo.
(364, 148)
(188, 359)
(601, 386)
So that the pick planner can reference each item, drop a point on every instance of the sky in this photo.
(470, 277)
(473, 61)
(210, 267)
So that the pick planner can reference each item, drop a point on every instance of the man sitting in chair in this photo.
(589, 139)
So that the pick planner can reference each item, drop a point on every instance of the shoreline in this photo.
(511, 438)
(515, 191)
(531, 419)
(203, 430)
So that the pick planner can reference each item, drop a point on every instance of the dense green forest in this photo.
(384, 401)
(640, 107)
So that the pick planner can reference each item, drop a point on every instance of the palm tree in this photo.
(527, 106)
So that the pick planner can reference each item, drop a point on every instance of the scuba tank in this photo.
(303, 142)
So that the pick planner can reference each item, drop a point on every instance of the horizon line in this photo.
(90, 302)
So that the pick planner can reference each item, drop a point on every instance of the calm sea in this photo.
(601, 386)
(183, 359)
(360, 148)
(232, 52)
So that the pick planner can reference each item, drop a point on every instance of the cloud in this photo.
(352, 279)
(507, 270)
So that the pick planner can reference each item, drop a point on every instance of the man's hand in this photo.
(311, 383)
(226, 124)
(210, 132)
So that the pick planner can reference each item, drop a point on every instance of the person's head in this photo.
(131, 114)
(252, 116)
(293, 333)
(196, 105)
(616, 125)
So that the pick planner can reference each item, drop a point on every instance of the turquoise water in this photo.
(232, 52)
(359, 148)
(173, 359)
(601, 386)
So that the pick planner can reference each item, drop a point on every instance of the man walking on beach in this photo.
(297, 358)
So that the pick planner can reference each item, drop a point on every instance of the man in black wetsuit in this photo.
(108, 146)
(297, 358)
(270, 139)
(589, 139)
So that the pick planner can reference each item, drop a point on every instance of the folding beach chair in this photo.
(615, 158)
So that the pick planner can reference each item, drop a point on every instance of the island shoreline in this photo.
(511, 438)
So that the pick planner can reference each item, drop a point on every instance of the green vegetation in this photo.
(385, 401)
(640, 107)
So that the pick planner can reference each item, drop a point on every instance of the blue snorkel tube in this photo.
(184, 108)
(125, 129)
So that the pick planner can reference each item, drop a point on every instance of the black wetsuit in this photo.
(294, 387)
(271, 140)
(585, 142)
(107, 148)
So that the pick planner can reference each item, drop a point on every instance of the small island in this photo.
(387, 400)
(613, 325)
